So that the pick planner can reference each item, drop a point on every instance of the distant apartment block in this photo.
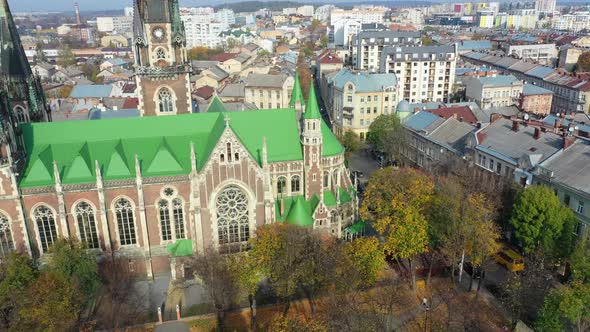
(541, 53)
(367, 47)
(118, 24)
(494, 91)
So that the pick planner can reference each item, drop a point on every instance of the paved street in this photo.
(362, 161)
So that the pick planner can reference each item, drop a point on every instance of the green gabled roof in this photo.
(180, 248)
(296, 94)
(355, 228)
(329, 198)
(216, 106)
(164, 162)
(114, 143)
(312, 110)
(345, 196)
(300, 213)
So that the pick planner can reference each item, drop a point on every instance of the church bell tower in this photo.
(162, 67)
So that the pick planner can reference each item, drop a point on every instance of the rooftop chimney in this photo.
(537, 133)
(514, 125)
(494, 117)
(78, 20)
(567, 141)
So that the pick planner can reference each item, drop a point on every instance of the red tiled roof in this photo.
(222, 57)
(330, 58)
(205, 92)
(463, 112)
(130, 103)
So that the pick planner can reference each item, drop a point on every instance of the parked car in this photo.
(511, 259)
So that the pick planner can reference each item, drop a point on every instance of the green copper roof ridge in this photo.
(312, 110)
(216, 105)
(296, 94)
(118, 159)
(162, 159)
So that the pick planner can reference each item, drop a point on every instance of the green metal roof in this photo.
(180, 248)
(296, 94)
(329, 198)
(162, 144)
(300, 213)
(355, 228)
(312, 110)
(216, 105)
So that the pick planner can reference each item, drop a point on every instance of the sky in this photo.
(65, 5)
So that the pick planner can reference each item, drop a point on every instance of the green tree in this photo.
(570, 304)
(66, 57)
(539, 219)
(396, 202)
(580, 261)
(71, 259)
(17, 273)
(324, 41)
(427, 41)
(387, 134)
(249, 277)
(40, 54)
(351, 142)
(583, 64)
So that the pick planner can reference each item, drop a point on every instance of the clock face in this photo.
(158, 33)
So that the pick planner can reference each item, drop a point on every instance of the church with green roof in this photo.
(156, 190)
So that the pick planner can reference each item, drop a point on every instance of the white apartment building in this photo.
(306, 11)
(366, 47)
(128, 11)
(541, 53)
(344, 30)
(268, 91)
(424, 73)
(289, 11)
(494, 91)
(226, 17)
(201, 31)
(370, 15)
(545, 6)
(323, 13)
(118, 24)
(572, 22)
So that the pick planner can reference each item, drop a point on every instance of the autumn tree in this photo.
(361, 262)
(387, 134)
(396, 202)
(66, 57)
(249, 277)
(583, 64)
(540, 220)
(305, 78)
(215, 272)
(17, 273)
(51, 303)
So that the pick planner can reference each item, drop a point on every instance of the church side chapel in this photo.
(163, 187)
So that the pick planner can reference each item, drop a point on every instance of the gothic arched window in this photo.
(171, 213)
(87, 225)
(45, 221)
(164, 208)
(233, 217)
(125, 222)
(161, 54)
(21, 116)
(6, 244)
(282, 185)
(165, 102)
(295, 183)
(326, 180)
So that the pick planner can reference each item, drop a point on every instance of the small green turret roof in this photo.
(216, 106)
(300, 214)
(296, 94)
(312, 110)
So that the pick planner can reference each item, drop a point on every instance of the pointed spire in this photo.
(312, 110)
(296, 94)
(264, 152)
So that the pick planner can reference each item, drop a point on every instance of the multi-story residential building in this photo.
(494, 91)
(200, 32)
(357, 98)
(432, 141)
(571, 92)
(545, 6)
(535, 100)
(424, 73)
(540, 53)
(512, 149)
(343, 30)
(568, 173)
(117, 24)
(269, 91)
(568, 57)
(575, 22)
(485, 19)
(306, 11)
(226, 17)
(367, 46)
(368, 15)
(323, 13)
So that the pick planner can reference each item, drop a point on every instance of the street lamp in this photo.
(426, 307)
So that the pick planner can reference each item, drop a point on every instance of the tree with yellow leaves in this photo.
(396, 202)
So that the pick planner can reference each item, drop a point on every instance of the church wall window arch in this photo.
(46, 226)
(161, 54)
(20, 114)
(125, 216)
(165, 101)
(295, 184)
(232, 207)
(85, 215)
(281, 185)
(171, 215)
(6, 241)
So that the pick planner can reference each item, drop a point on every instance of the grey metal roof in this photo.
(452, 133)
(265, 80)
(233, 90)
(364, 81)
(500, 137)
(572, 166)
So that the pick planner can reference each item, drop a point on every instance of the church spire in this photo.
(296, 94)
(312, 110)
